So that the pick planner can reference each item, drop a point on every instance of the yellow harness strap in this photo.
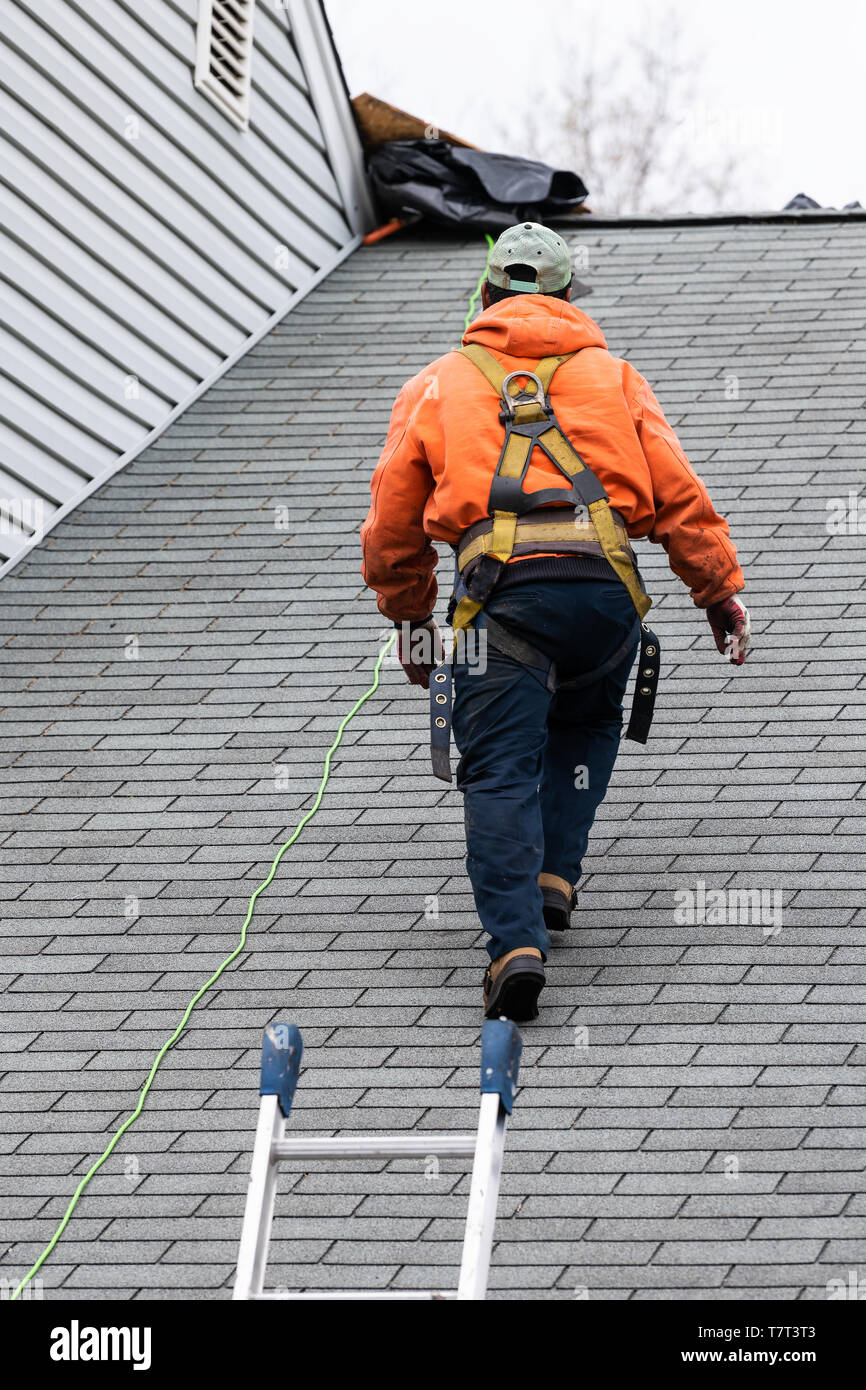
(463, 615)
(543, 535)
(557, 446)
(502, 540)
(616, 556)
(501, 548)
(495, 373)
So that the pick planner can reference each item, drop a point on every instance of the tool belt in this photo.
(521, 523)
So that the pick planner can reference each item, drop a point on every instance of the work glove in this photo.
(419, 650)
(731, 628)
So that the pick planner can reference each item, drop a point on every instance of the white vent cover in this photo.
(223, 58)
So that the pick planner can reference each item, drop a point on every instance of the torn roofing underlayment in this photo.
(175, 665)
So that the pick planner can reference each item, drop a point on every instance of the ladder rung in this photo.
(376, 1146)
(379, 1296)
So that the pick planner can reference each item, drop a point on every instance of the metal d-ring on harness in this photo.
(524, 523)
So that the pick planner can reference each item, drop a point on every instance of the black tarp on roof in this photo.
(457, 186)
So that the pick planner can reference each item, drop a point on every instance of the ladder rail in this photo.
(483, 1199)
(259, 1209)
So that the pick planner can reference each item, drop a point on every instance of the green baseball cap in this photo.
(529, 243)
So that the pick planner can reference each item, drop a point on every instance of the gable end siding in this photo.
(145, 238)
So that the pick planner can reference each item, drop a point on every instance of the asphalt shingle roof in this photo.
(708, 1140)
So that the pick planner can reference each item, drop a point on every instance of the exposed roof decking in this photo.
(157, 781)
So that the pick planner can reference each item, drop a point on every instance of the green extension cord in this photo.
(214, 977)
(482, 277)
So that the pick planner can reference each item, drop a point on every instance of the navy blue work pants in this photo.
(535, 766)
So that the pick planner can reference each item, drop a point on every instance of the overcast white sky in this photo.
(782, 80)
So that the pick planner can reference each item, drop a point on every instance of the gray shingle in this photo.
(154, 778)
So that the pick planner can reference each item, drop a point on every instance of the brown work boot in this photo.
(560, 900)
(513, 983)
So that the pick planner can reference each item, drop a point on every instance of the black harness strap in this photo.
(509, 642)
(440, 721)
(646, 682)
(539, 665)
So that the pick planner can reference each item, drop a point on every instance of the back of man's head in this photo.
(529, 259)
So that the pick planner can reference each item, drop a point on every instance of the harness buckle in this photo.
(524, 397)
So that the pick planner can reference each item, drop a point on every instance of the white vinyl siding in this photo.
(145, 238)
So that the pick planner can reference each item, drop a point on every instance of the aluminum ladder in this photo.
(282, 1047)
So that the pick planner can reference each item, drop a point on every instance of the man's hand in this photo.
(419, 650)
(731, 628)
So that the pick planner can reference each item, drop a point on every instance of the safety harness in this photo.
(521, 523)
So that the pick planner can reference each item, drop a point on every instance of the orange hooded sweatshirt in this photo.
(433, 479)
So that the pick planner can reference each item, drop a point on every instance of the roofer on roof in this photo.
(536, 455)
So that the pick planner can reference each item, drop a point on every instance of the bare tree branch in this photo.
(630, 124)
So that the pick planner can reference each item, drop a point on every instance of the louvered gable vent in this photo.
(224, 45)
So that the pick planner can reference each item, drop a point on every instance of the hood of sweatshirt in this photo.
(534, 326)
